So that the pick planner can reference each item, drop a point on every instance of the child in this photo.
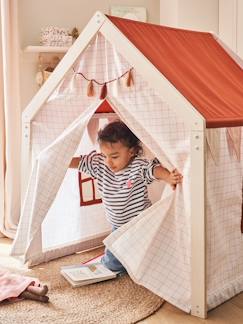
(14, 287)
(122, 177)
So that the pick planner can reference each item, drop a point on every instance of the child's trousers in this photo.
(110, 261)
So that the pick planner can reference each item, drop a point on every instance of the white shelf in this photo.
(46, 49)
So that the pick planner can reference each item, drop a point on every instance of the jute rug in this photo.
(118, 301)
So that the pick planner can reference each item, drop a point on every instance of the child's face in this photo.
(117, 155)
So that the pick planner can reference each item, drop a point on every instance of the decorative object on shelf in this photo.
(134, 13)
(74, 33)
(103, 93)
(45, 69)
(39, 78)
(55, 36)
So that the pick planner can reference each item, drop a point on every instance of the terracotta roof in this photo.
(196, 64)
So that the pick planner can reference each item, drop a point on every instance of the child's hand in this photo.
(174, 178)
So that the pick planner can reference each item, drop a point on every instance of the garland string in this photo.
(103, 94)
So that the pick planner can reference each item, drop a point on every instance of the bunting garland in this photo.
(103, 92)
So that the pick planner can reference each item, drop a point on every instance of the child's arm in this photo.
(74, 163)
(173, 178)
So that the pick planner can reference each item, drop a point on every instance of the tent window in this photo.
(89, 194)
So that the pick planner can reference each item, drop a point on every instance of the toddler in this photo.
(122, 176)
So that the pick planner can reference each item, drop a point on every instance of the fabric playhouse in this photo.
(181, 93)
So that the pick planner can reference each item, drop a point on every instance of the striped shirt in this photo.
(124, 193)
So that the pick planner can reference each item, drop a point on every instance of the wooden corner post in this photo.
(198, 221)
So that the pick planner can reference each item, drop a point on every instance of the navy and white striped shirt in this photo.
(124, 193)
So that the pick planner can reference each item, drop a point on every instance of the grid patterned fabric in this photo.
(224, 208)
(155, 246)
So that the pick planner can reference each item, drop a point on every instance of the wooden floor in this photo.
(230, 312)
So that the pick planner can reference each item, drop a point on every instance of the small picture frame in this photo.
(134, 13)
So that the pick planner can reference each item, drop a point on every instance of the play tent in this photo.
(184, 101)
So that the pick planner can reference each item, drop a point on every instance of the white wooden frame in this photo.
(182, 107)
(198, 224)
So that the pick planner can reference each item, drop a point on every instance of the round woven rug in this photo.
(118, 301)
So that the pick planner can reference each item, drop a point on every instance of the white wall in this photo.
(239, 31)
(199, 15)
(227, 22)
(35, 14)
(169, 13)
(223, 17)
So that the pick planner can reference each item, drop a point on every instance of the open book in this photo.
(85, 274)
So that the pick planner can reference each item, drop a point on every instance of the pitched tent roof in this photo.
(196, 64)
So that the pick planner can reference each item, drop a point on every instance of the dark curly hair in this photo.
(118, 131)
